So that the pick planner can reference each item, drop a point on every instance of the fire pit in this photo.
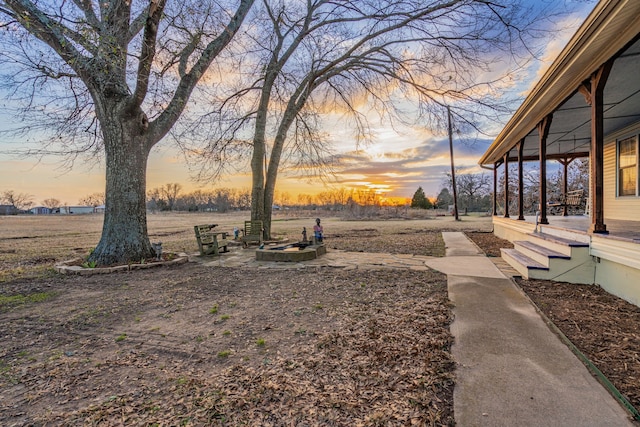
(293, 252)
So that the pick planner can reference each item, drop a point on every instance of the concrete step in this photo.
(522, 263)
(577, 235)
(539, 253)
(558, 244)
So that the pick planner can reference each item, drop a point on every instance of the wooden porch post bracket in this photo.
(585, 90)
(520, 181)
(495, 189)
(506, 185)
(543, 133)
(593, 91)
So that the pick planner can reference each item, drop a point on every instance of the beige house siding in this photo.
(624, 208)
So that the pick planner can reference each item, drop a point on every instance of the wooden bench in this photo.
(210, 242)
(253, 232)
(573, 199)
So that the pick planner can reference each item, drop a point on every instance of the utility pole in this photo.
(453, 170)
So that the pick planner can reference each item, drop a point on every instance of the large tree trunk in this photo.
(274, 165)
(257, 188)
(268, 208)
(124, 231)
(270, 184)
(257, 164)
(259, 200)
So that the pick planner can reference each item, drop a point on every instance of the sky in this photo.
(395, 165)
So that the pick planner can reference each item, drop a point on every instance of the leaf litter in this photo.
(343, 348)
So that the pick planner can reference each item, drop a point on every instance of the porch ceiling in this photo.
(610, 27)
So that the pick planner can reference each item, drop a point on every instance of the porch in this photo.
(618, 229)
(586, 105)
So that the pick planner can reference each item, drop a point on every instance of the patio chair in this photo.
(253, 232)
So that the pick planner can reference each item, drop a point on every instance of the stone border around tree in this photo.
(70, 267)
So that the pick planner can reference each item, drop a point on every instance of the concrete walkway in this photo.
(511, 369)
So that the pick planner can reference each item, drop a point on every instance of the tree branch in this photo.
(40, 25)
(147, 54)
(160, 126)
(137, 24)
(87, 7)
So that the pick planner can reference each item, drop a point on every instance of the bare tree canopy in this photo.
(19, 201)
(94, 199)
(309, 65)
(51, 203)
(114, 77)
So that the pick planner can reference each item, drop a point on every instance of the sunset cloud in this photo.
(423, 165)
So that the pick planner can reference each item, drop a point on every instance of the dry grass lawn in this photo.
(32, 244)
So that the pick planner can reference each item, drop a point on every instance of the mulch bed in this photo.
(489, 243)
(602, 326)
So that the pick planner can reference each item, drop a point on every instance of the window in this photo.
(628, 166)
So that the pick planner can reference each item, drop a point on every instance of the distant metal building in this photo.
(40, 210)
(8, 210)
(76, 210)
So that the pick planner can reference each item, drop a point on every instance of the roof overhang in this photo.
(611, 29)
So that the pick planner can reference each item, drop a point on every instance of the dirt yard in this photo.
(195, 346)
(30, 245)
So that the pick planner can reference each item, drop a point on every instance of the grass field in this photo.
(31, 245)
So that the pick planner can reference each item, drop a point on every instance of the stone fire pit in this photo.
(293, 252)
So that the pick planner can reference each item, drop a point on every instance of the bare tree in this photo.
(170, 193)
(404, 60)
(20, 201)
(222, 199)
(95, 199)
(51, 203)
(164, 197)
(283, 198)
(472, 188)
(305, 200)
(125, 70)
(324, 199)
(341, 197)
(155, 201)
(243, 199)
(195, 201)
